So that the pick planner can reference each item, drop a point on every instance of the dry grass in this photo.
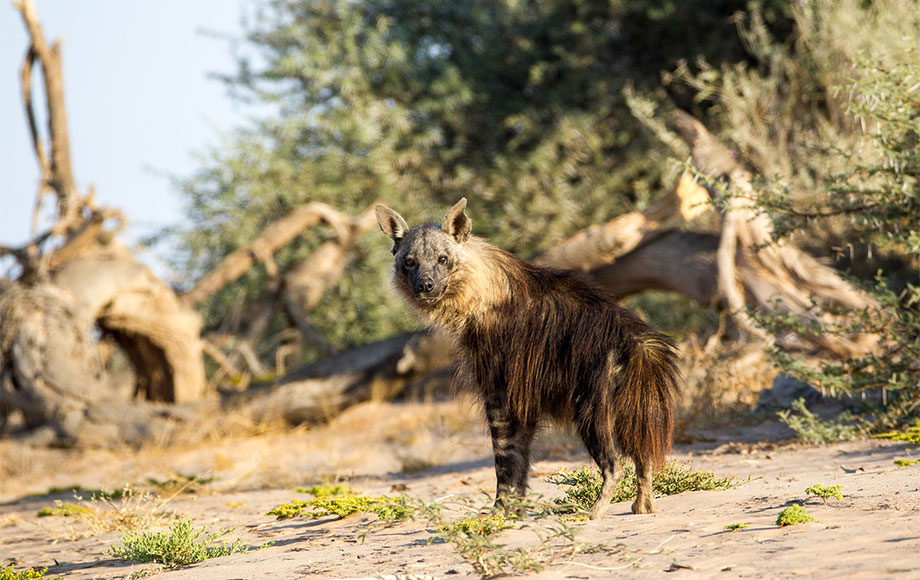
(95, 515)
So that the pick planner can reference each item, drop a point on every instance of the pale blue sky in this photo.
(138, 97)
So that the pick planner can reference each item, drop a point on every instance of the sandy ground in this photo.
(439, 451)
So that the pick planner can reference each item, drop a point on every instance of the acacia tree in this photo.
(518, 106)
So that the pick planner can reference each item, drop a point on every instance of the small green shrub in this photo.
(324, 490)
(905, 462)
(792, 515)
(825, 493)
(180, 546)
(31, 574)
(478, 526)
(63, 509)
(909, 434)
(388, 509)
(179, 484)
(584, 484)
(736, 526)
(811, 429)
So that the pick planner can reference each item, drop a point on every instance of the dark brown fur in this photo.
(542, 343)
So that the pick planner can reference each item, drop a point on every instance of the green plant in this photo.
(910, 434)
(63, 509)
(792, 515)
(825, 493)
(736, 526)
(811, 429)
(584, 484)
(324, 490)
(474, 540)
(180, 546)
(8, 573)
(387, 509)
(905, 462)
(179, 484)
(481, 525)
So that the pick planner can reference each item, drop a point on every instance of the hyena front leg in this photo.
(511, 440)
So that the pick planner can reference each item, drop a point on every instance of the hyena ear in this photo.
(457, 223)
(392, 224)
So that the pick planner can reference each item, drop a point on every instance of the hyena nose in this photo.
(426, 285)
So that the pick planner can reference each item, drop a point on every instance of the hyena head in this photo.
(426, 255)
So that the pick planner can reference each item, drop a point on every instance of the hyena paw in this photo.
(644, 505)
(598, 510)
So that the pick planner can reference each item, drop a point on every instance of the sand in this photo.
(440, 451)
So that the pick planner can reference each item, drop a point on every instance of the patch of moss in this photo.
(793, 515)
(479, 526)
(905, 462)
(584, 484)
(63, 509)
(388, 509)
(825, 493)
(324, 490)
(910, 434)
(736, 526)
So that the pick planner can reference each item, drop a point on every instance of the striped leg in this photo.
(511, 445)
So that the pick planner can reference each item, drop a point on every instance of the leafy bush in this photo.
(736, 526)
(811, 429)
(793, 515)
(478, 526)
(584, 484)
(910, 434)
(825, 492)
(905, 462)
(180, 546)
(830, 120)
(8, 573)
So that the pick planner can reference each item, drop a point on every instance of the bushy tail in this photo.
(643, 406)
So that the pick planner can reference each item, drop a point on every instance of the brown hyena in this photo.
(541, 343)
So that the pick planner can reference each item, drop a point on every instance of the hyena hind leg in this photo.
(644, 503)
(611, 475)
(599, 443)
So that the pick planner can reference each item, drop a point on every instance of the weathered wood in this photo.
(602, 244)
(275, 236)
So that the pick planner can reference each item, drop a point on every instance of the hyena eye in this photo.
(442, 259)
(409, 262)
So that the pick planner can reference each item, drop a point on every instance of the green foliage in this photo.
(474, 540)
(517, 105)
(811, 429)
(387, 509)
(824, 492)
(905, 462)
(8, 573)
(480, 526)
(830, 120)
(324, 490)
(180, 546)
(792, 515)
(736, 526)
(63, 509)
(584, 484)
(910, 434)
(179, 484)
